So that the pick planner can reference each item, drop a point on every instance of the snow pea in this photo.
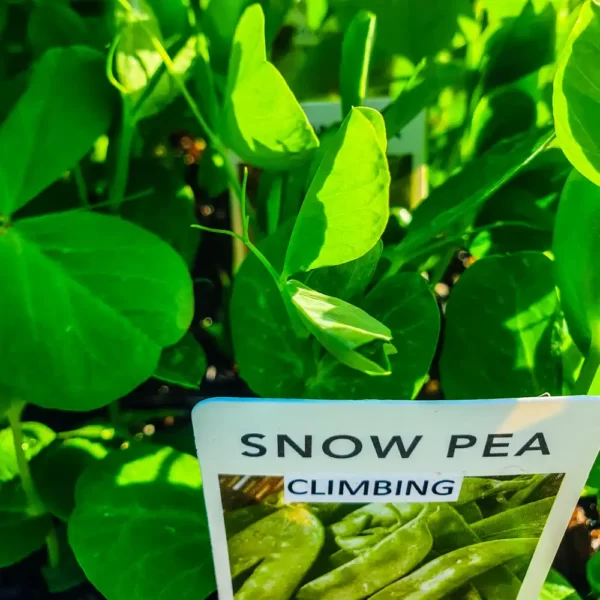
(449, 572)
(470, 511)
(478, 488)
(375, 515)
(241, 518)
(390, 559)
(499, 583)
(285, 543)
(353, 524)
(326, 512)
(519, 566)
(524, 521)
(467, 593)
(407, 511)
(549, 487)
(341, 557)
(367, 539)
(450, 532)
(522, 496)
(360, 529)
(366, 516)
(369, 531)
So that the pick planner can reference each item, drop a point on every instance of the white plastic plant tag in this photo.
(411, 142)
(407, 157)
(390, 499)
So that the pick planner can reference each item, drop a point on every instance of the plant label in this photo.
(411, 142)
(388, 499)
(407, 157)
